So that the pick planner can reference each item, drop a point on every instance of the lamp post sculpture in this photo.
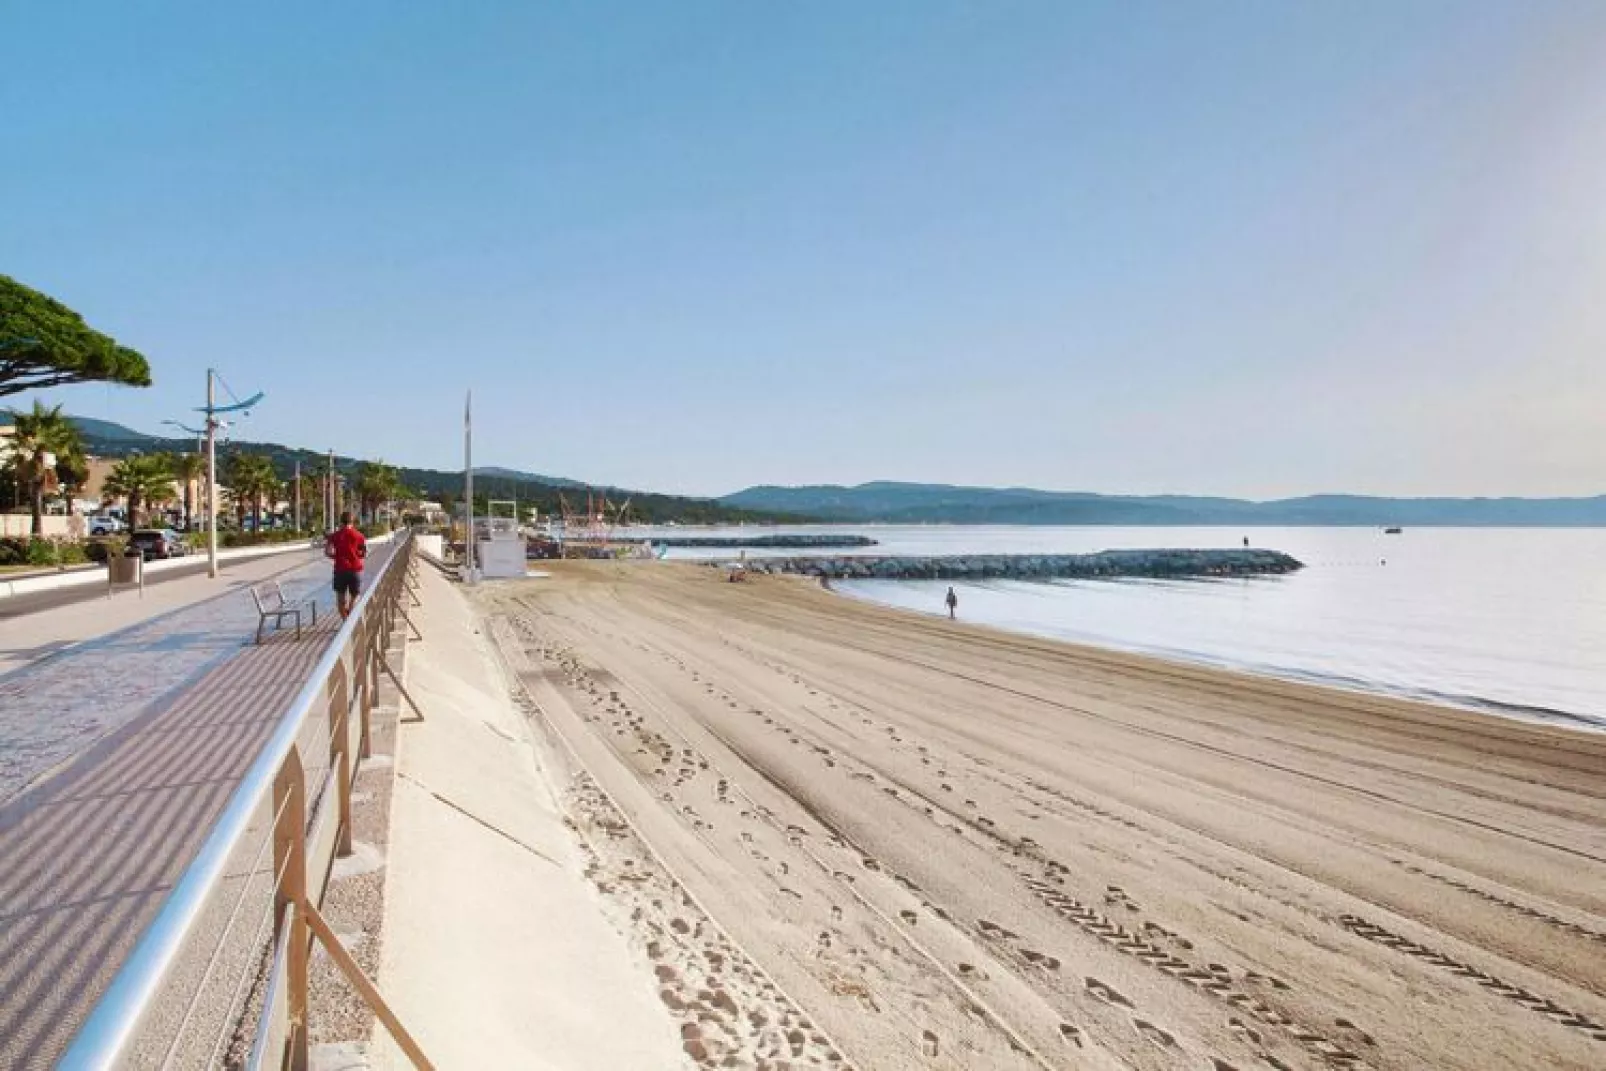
(212, 409)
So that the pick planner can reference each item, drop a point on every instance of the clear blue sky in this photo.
(1256, 249)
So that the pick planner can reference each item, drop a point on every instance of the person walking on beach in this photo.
(348, 548)
(953, 603)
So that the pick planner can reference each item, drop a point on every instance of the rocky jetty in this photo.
(801, 541)
(1105, 565)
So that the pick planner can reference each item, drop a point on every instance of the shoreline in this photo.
(1531, 714)
(965, 847)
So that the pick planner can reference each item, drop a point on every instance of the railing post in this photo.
(340, 755)
(363, 661)
(373, 678)
(290, 862)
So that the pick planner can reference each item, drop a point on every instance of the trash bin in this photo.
(124, 568)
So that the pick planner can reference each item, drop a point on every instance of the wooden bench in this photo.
(273, 606)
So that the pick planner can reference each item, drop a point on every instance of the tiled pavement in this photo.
(133, 743)
(59, 705)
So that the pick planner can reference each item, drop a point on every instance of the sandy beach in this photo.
(847, 836)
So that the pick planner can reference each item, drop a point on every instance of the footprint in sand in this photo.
(1155, 1034)
(1108, 994)
(928, 1045)
(909, 916)
(1071, 1034)
(992, 929)
(1039, 959)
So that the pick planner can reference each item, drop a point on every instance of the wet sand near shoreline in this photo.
(850, 836)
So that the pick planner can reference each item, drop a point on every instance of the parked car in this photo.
(158, 543)
(104, 525)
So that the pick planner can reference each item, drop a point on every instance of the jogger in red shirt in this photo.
(348, 548)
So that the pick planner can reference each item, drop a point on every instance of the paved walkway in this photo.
(130, 745)
(74, 692)
(39, 624)
(24, 596)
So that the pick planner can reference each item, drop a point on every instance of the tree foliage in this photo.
(187, 468)
(144, 480)
(41, 439)
(376, 483)
(253, 481)
(43, 343)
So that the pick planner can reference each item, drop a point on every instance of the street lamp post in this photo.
(212, 409)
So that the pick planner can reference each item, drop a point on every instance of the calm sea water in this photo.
(1512, 620)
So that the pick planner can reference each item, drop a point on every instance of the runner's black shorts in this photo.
(347, 583)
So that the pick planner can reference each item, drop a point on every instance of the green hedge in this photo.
(41, 552)
(258, 539)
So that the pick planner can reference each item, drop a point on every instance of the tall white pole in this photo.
(468, 485)
(211, 478)
(298, 494)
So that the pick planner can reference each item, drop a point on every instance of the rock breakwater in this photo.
(802, 541)
(1104, 565)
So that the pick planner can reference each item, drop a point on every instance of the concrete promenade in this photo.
(117, 750)
(30, 593)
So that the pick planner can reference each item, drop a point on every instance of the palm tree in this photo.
(38, 438)
(251, 478)
(187, 470)
(144, 479)
(311, 502)
(376, 484)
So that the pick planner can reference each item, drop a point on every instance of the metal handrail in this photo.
(112, 1025)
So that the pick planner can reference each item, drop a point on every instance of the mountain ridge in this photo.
(108, 439)
(894, 502)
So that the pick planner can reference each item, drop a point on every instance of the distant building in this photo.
(432, 512)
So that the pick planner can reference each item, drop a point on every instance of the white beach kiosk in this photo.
(499, 548)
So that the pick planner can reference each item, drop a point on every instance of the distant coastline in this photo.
(912, 503)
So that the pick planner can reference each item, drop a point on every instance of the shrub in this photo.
(41, 552)
(13, 551)
(99, 550)
(258, 539)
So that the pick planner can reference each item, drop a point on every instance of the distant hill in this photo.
(913, 503)
(496, 472)
(106, 431)
(106, 439)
